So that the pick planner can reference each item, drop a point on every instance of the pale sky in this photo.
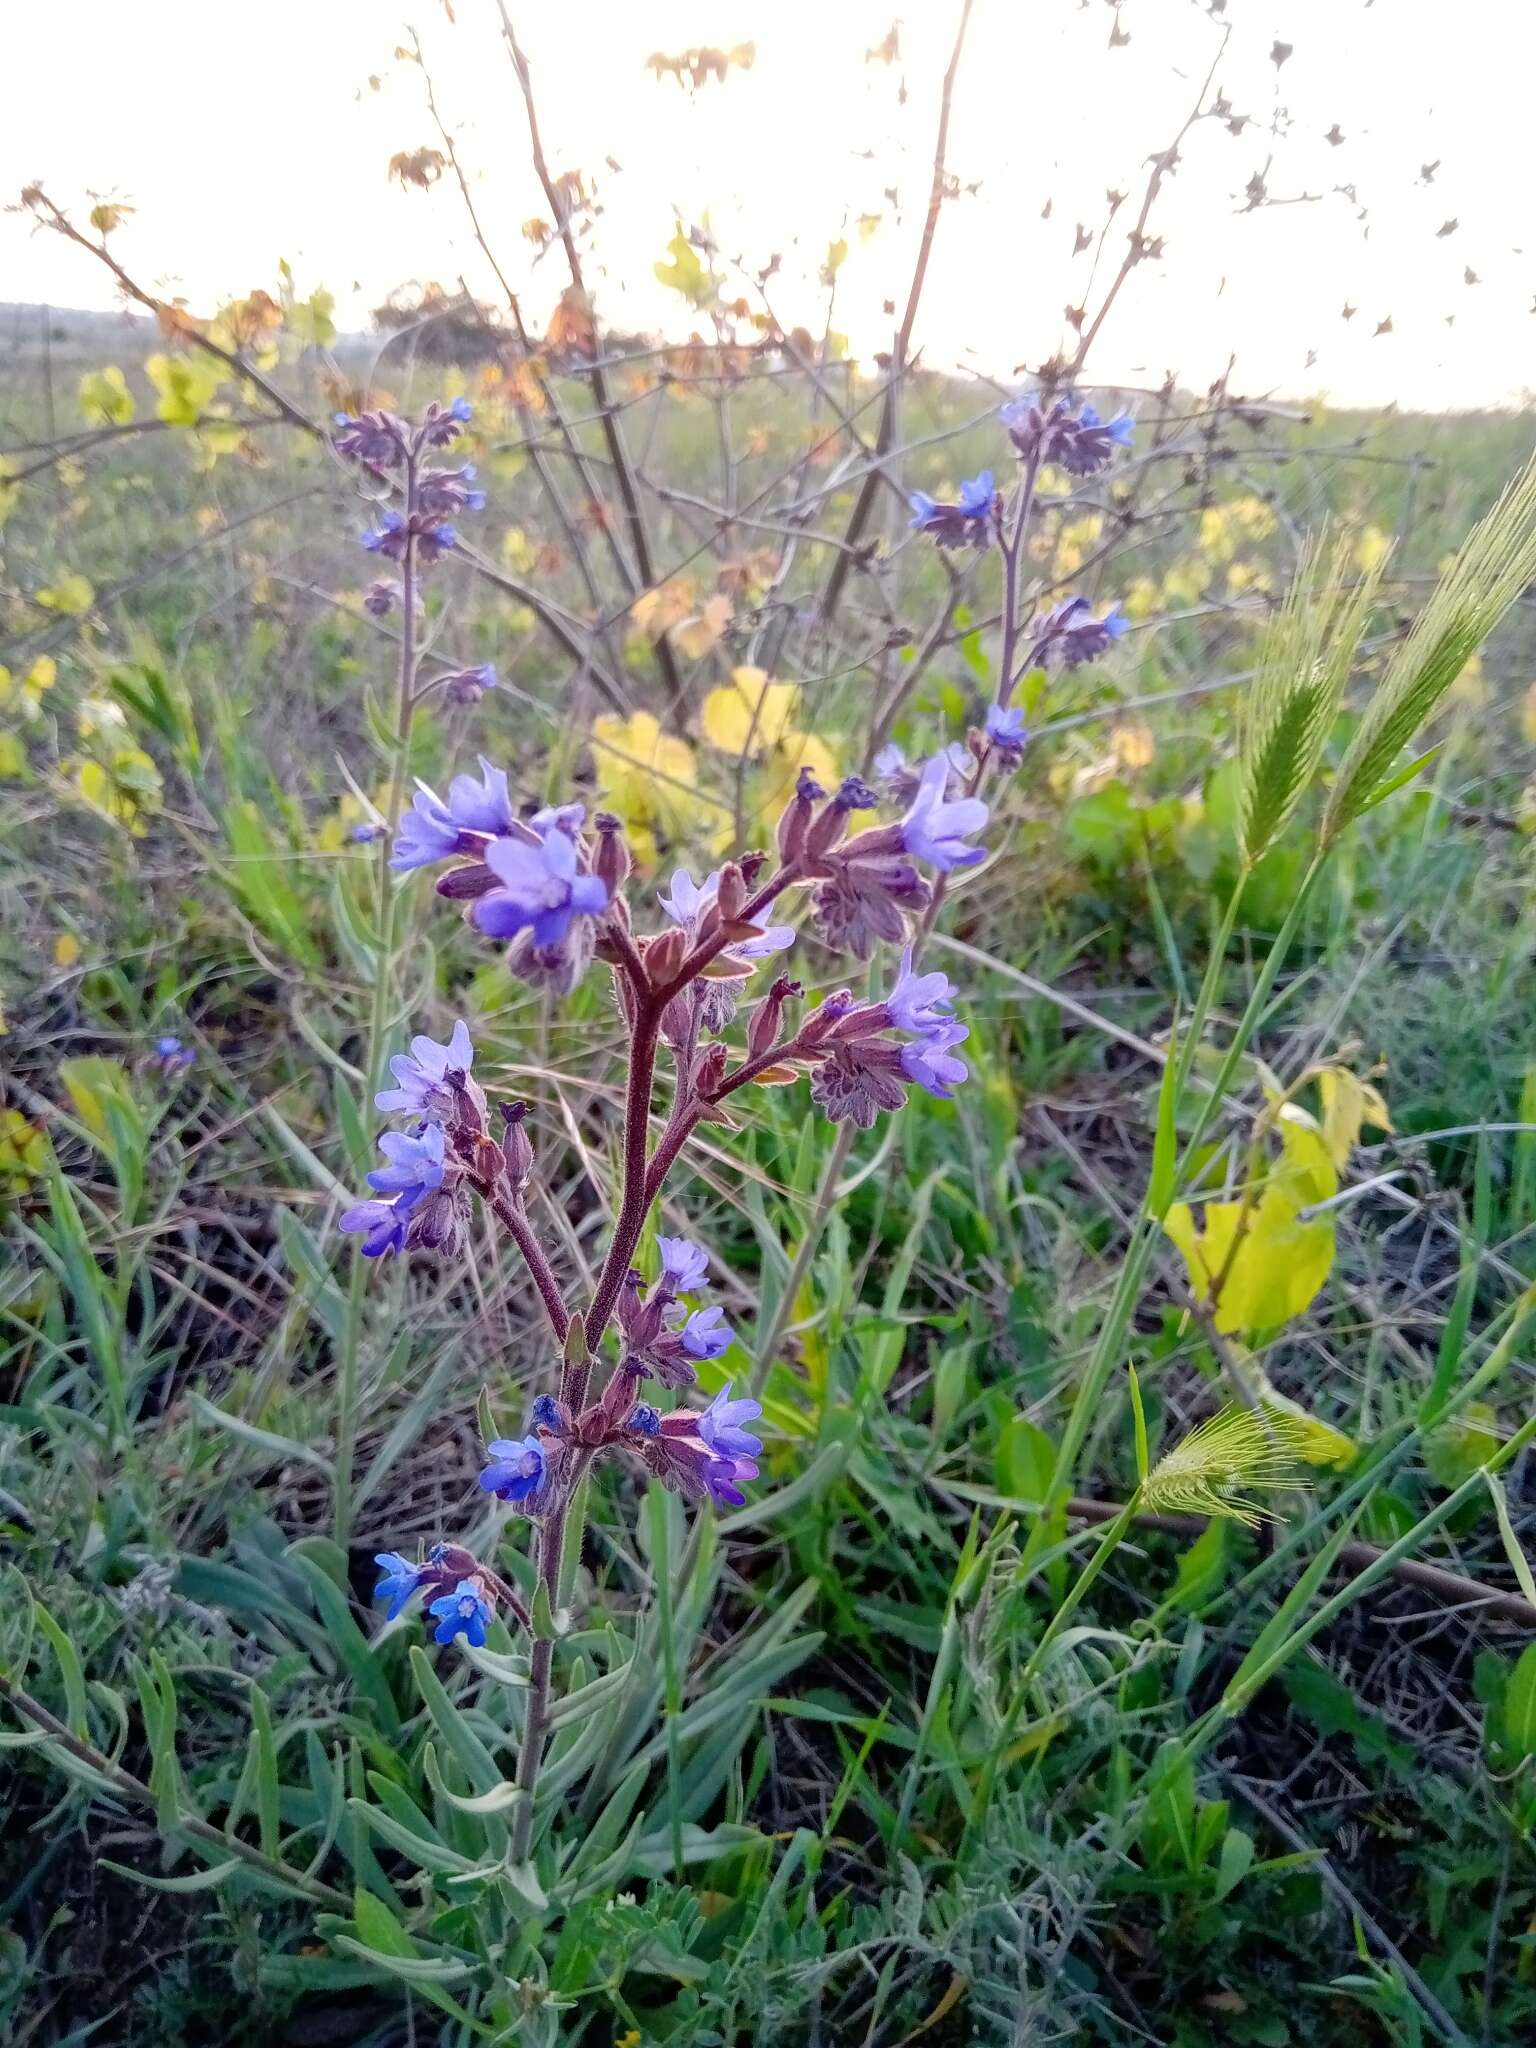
(245, 134)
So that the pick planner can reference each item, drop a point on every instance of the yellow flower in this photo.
(123, 788)
(647, 777)
(1372, 549)
(23, 1152)
(749, 714)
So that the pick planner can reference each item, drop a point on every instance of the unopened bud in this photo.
(795, 821)
(853, 795)
(516, 1146)
(664, 955)
(752, 865)
(708, 1069)
(826, 1017)
(463, 884)
(611, 863)
(731, 893)
(763, 1029)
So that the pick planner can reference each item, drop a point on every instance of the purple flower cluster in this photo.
(466, 1597)
(1071, 436)
(534, 882)
(391, 450)
(663, 1338)
(861, 1068)
(868, 886)
(417, 1198)
(970, 521)
(1068, 635)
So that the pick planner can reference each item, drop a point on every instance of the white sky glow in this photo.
(244, 135)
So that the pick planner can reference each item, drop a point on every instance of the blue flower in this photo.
(365, 835)
(932, 1065)
(540, 891)
(688, 901)
(966, 522)
(426, 833)
(683, 1263)
(1070, 631)
(645, 1419)
(689, 898)
(1078, 440)
(388, 537)
(919, 1002)
(172, 1057)
(399, 1579)
(720, 1428)
(415, 1166)
(463, 1612)
(934, 829)
(516, 1470)
(1006, 729)
(382, 1224)
(432, 830)
(421, 1073)
(706, 1333)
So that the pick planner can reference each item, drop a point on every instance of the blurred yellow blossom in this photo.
(23, 1152)
(1372, 549)
(646, 776)
(123, 788)
(749, 713)
(25, 694)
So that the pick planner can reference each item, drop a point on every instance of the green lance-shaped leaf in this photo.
(1212, 1470)
(1304, 663)
(1496, 562)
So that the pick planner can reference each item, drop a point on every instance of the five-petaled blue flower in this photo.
(706, 1333)
(930, 1062)
(720, 1426)
(688, 900)
(421, 1072)
(934, 829)
(463, 1612)
(963, 523)
(516, 1470)
(415, 1165)
(919, 1002)
(1006, 730)
(541, 889)
(382, 1224)
(432, 830)
(683, 1263)
(399, 1579)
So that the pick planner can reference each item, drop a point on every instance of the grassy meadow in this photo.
(869, 1759)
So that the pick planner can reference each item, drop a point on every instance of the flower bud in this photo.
(465, 882)
(664, 955)
(516, 1146)
(825, 1018)
(752, 865)
(731, 893)
(708, 1069)
(611, 863)
(854, 794)
(763, 1030)
(795, 821)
